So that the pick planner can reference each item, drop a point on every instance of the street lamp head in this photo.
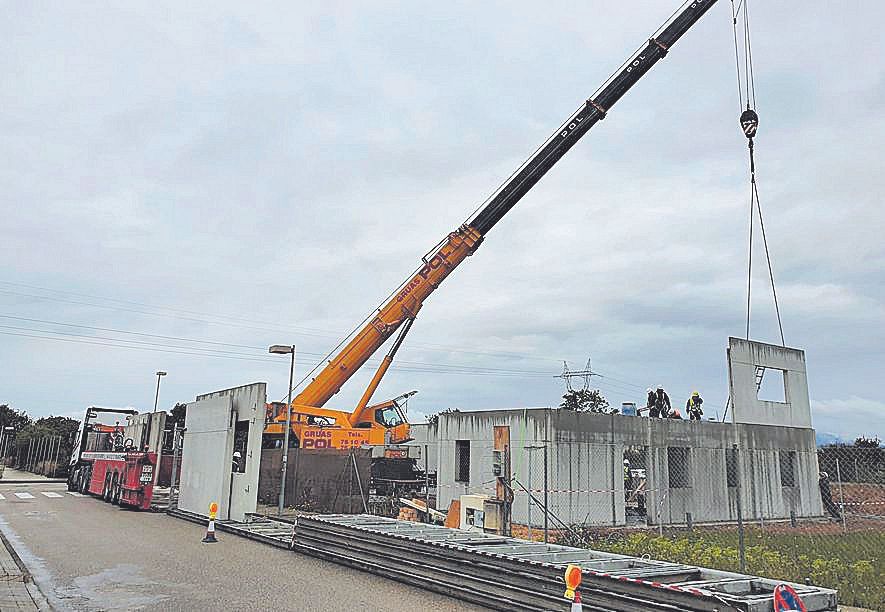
(280, 349)
(161, 373)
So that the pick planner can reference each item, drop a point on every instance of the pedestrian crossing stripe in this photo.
(49, 494)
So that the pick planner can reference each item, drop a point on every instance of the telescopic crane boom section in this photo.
(465, 240)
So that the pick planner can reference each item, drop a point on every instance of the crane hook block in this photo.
(749, 122)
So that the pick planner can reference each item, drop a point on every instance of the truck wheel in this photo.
(105, 496)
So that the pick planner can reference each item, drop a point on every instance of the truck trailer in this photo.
(106, 464)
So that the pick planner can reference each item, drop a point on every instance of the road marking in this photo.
(2, 496)
(50, 494)
(75, 494)
(24, 495)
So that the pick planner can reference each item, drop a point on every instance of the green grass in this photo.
(852, 563)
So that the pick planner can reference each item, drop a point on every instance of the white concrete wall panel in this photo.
(743, 358)
(206, 456)
(246, 403)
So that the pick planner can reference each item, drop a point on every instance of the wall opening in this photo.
(241, 447)
(462, 460)
(773, 387)
(788, 468)
(678, 468)
(635, 483)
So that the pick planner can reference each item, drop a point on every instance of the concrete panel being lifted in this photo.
(747, 358)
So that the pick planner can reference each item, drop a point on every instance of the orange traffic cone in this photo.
(210, 530)
(576, 603)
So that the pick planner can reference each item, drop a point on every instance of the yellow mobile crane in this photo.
(314, 426)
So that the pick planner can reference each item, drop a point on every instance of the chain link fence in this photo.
(815, 516)
(772, 505)
(44, 455)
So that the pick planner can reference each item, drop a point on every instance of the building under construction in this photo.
(616, 470)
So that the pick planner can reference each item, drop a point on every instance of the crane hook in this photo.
(749, 122)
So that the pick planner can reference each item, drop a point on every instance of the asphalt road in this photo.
(88, 555)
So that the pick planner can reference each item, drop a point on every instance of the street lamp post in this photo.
(160, 374)
(282, 349)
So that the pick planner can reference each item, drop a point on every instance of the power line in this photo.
(206, 318)
(72, 337)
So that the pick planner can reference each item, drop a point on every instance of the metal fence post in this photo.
(740, 513)
(841, 495)
(546, 501)
(613, 470)
(528, 498)
(55, 464)
(427, 518)
(176, 448)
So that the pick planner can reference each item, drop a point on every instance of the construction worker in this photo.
(674, 413)
(235, 467)
(826, 497)
(628, 481)
(650, 403)
(693, 406)
(662, 402)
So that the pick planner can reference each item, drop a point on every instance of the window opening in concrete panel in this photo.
(770, 386)
(788, 468)
(678, 468)
(241, 446)
(462, 460)
(731, 467)
(635, 483)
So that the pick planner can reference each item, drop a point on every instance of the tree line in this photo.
(27, 432)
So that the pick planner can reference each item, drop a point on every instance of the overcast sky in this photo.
(223, 176)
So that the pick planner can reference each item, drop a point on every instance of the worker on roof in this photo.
(693, 406)
(662, 402)
(650, 403)
(674, 413)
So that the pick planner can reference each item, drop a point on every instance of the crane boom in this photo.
(461, 243)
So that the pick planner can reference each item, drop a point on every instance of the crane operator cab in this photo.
(392, 416)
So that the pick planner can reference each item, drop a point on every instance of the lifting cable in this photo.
(749, 124)
(749, 120)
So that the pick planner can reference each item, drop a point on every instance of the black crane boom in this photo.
(593, 111)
